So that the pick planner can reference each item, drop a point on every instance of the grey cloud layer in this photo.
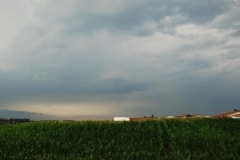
(146, 17)
(82, 17)
(149, 56)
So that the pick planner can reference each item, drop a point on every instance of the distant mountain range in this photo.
(5, 113)
(23, 114)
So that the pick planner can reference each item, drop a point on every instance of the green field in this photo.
(213, 139)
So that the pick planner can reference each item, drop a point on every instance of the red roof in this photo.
(225, 114)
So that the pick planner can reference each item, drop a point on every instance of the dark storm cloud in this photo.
(212, 94)
(118, 86)
(132, 19)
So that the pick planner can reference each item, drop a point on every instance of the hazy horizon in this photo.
(36, 116)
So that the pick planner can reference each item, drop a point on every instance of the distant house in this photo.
(170, 117)
(121, 119)
(152, 117)
(235, 114)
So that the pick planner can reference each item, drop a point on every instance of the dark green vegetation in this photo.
(160, 139)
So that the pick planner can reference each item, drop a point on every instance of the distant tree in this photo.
(188, 115)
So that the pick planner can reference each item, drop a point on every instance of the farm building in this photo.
(152, 117)
(169, 117)
(233, 114)
(121, 119)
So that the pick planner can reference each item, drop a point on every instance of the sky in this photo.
(121, 57)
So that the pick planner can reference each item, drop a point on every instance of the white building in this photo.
(121, 119)
(169, 117)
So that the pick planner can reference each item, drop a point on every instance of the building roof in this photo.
(170, 117)
(236, 114)
(227, 114)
